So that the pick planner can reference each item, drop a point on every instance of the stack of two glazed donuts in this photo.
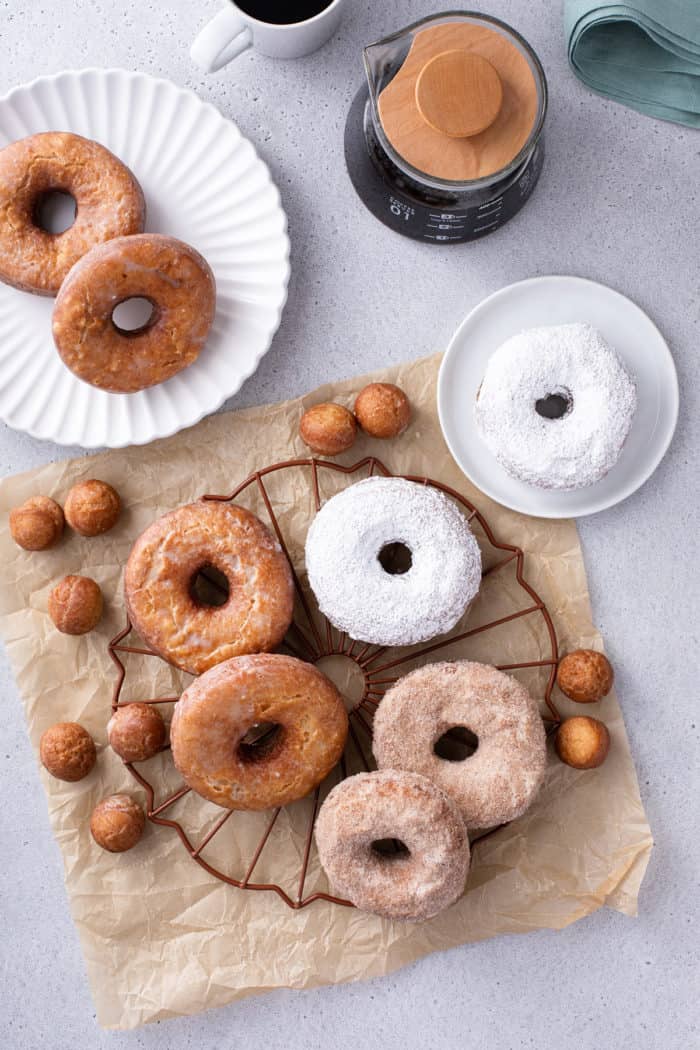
(421, 800)
(101, 261)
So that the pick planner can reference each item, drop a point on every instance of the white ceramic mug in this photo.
(233, 31)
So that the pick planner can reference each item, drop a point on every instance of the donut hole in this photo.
(134, 315)
(395, 558)
(390, 849)
(456, 745)
(555, 405)
(209, 586)
(54, 211)
(262, 740)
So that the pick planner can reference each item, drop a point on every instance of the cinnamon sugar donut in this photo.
(109, 203)
(371, 809)
(171, 275)
(499, 781)
(164, 598)
(258, 731)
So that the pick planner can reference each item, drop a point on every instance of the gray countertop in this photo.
(618, 202)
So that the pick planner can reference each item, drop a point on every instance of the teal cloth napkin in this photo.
(645, 54)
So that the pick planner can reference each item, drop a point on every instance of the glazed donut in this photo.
(109, 203)
(349, 550)
(298, 711)
(555, 406)
(499, 781)
(368, 809)
(162, 573)
(171, 275)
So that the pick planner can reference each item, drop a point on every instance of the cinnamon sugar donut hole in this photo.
(328, 429)
(361, 824)
(75, 605)
(117, 823)
(383, 410)
(136, 732)
(37, 524)
(585, 676)
(67, 751)
(92, 507)
(582, 742)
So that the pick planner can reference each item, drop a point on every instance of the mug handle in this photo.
(221, 40)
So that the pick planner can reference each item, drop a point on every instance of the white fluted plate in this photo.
(205, 184)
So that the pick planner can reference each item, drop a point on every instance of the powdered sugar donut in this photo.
(392, 562)
(369, 810)
(499, 780)
(556, 405)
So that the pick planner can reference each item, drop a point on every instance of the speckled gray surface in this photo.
(618, 202)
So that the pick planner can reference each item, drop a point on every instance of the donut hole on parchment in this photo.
(456, 745)
(262, 741)
(54, 211)
(209, 587)
(134, 315)
(390, 849)
(395, 558)
(555, 405)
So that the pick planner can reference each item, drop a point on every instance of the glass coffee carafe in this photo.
(444, 142)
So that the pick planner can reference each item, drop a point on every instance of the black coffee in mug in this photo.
(280, 13)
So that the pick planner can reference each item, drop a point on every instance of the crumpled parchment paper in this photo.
(161, 936)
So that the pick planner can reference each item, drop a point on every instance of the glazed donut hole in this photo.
(37, 524)
(54, 211)
(328, 429)
(585, 676)
(75, 605)
(555, 405)
(67, 751)
(92, 507)
(136, 732)
(117, 823)
(383, 410)
(582, 742)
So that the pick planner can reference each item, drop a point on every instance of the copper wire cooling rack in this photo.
(313, 638)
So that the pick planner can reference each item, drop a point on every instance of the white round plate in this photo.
(552, 301)
(203, 183)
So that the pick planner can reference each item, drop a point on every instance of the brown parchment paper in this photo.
(161, 937)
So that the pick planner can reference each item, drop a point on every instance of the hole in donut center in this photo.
(395, 558)
(260, 742)
(133, 316)
(346, 675)
(390, 849)
(554, 406)
(209, 586)
(456, 745)
(54, 211)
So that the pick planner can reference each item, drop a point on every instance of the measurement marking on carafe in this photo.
(491, 204)
(489, 226)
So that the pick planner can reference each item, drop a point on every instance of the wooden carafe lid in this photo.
(463, 104)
